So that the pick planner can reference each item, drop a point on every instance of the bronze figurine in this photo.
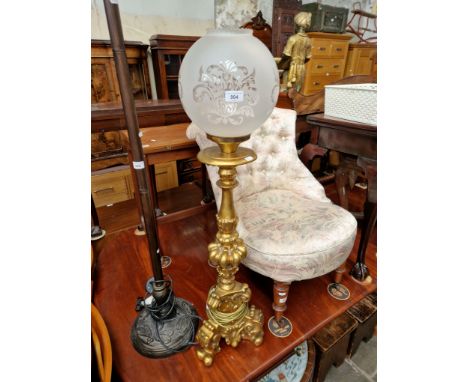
(296, 53)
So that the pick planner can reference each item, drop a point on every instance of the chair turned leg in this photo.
(339, 273)
(280, 296)
(336, 289)
(279, 325)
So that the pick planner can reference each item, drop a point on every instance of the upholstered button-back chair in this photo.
(292, 231)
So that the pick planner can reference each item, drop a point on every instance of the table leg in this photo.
(310, 152)
(359, 272)
(341, 181)
(96, 231)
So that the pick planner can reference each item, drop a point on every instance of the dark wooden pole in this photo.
(123, 75)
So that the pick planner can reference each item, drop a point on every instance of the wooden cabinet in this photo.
(327, 64)
(104, 82)
(167, 52)
(114, 185)
(166, 175)
(362, 59)
(283, 23)
(111, 186)
(189, 170)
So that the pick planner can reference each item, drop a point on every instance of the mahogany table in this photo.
(123, 267)
(360, 140)
(165, 144)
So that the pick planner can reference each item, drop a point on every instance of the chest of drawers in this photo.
(111, 186)
(328, 61)
(362, 60)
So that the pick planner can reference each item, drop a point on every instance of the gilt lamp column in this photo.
(228, 85)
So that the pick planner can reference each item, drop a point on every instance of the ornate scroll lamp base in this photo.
(165, 324)
(227, 307)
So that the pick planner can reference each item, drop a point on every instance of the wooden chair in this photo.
(102, 345)
(261, 29)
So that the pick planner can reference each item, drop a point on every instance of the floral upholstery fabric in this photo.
(291, 229)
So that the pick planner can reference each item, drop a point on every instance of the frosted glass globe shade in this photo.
(228, 82)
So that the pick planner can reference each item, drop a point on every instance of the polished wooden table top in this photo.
(344, 123)
(123, 267)
(104, 108)
(345, 136)
(110, 116)
(163, 138)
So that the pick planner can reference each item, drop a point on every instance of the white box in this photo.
(355, 102)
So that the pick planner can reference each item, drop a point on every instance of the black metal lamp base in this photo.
(162, 338)
(166, 324)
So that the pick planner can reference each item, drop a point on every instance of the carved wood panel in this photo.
(102, 81)
(283, 23)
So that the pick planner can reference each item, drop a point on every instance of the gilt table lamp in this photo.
(228, 86)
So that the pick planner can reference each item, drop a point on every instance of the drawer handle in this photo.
(316, 83)
(104, 189)
(319, 66)
(161, 173)
(321, 48)
(336, 66)
(339, 49)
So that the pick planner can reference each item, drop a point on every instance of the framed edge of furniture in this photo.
(150, 113)
(167, 52)
(104, 82)
(362, 59)
(360, 140)
(283, 23)
(328, 61)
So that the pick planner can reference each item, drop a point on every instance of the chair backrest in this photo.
(277, 165)
(102, 345)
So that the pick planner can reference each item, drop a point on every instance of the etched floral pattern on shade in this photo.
(215, 81)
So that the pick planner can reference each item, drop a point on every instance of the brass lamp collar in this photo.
(228, 145)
